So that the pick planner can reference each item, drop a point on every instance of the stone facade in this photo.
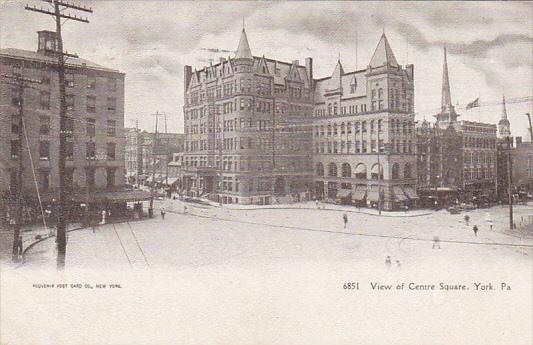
(246, 129)
(95, 107)
(363, 133)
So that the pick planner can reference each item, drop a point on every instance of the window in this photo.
(69, 100)
(111, 128)
(70, 150)
(110, 174)
(44, 150)
(45, 100)
(69, 125)
(111, 84)
(346, 170)
(91, 104)
(69, 79)
(332, 169)
(111, 104)
(90, 150)
(14, 149)
(111, 147)
(45, 125)
(45, 179)
(395, 171)
(15, 124)
(91, 82)
(91, 127)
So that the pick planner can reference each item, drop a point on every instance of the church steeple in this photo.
(446, 99)
(504, 126)
(447, 111)
(243, 50)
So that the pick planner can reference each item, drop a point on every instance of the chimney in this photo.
(47, 43)
(187, 74)
(309, 70)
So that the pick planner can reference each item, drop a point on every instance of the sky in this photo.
(489, 44)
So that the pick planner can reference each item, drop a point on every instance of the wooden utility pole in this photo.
(154, 140)
(58, 13)
(21, 83)
(510, 182)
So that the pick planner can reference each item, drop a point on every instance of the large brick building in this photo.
(363, 133)
(95, 110)
(455, 159)
(247, 125)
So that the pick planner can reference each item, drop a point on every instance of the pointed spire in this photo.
(504, 126)
(504, 109)
(383, 54)
(243, 50)
(446, 98)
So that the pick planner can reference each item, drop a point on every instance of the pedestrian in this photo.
(19, 250)
(475, 230)
(103, 217)
(163, 212)
(387, 261)
(436, 242)
(345, 218)
(316, 203)
(398, 264)
(184, 208)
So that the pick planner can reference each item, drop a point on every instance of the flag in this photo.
(473, 104)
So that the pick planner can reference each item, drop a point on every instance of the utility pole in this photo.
(510, 182)
(88, 186)
(59, 13)
(154, 140)
(20, 83)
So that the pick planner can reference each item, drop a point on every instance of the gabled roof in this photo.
(243, 50)
(383, 54)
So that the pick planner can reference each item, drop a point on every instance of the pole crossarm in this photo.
(70, 5)
(67, 16)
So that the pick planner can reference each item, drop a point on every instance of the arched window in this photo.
(346, 170)
(360, 171)
(395, 171)
(376, 172)
(319, 169)
(329, 109)
(407, 170)
(321, 130)
(332, 169)
(372, 126)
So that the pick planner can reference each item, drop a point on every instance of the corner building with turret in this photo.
(247, 125)
(262, 131)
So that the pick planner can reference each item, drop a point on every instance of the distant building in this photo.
(95, 110)
(142, 162)
(522, 158)
(456, 160)
(363, 133)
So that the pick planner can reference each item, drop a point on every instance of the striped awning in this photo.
(410, 192)
(360, 192)
(398, 193)
(373, 194)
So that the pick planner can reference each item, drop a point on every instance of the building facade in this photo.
(456, 160)
(363, 133)
(95, 110)
(247, 125)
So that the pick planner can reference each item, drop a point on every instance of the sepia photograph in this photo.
(266, 172)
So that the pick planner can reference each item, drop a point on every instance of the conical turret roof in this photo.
(243, 50)
(383, 54)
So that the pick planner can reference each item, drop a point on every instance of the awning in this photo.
(373, 194)
(360, 192)
(410, 192)
(344, 193)
(127, 195)
(398, 193)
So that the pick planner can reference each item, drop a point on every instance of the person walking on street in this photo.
(316, 203)
(475, 230)
(436, 242)
(163, 212)
(345, 218)
(387, 261)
